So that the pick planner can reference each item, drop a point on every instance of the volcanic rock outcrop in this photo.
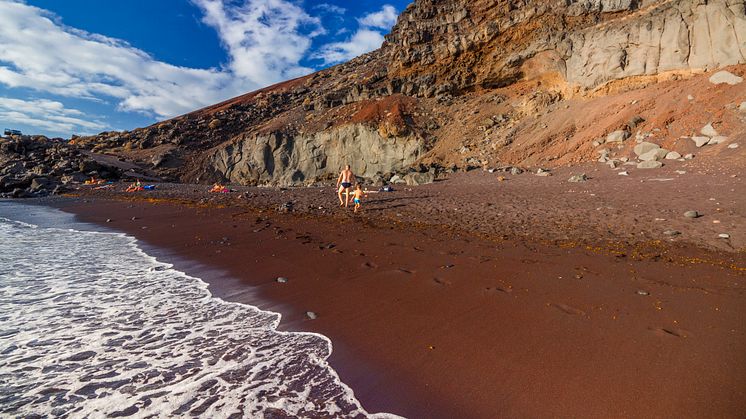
(457, 84)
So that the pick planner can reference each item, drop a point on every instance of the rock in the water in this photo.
(654, 155)
(734, 145)
(311, 315)
(709, 130)
(578, 178)
(700, 141)
(672, 155)
(281, 280)
(650, 164)
(725, 77)
(691, 214)
(645, 147)
(617, 136)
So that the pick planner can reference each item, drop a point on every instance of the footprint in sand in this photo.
(568, 309)
(667, 331)
(502, 290)
(441, 281)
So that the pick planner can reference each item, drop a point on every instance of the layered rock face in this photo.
(484, 43)
(409, 102)
(279, 159)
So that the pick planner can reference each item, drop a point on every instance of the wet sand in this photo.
(429, 320)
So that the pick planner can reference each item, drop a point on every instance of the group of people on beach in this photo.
(344, 186)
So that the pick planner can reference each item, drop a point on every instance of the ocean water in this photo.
(91, 326)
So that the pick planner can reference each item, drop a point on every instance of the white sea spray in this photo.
(91, 326)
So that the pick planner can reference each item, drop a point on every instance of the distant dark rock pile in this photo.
(33, 166)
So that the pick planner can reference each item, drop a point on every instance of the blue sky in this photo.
(86, 66)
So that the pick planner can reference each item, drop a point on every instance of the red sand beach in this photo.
(444, 317)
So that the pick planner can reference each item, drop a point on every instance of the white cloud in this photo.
(383, 19)
(367, 38)
(330, 8)
(37, 52)
(266, 39)
(364, 40)
(47, 114)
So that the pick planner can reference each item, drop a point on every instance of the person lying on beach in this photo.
(357, 197)
(135, 187)
(344, 183)
(218, 188)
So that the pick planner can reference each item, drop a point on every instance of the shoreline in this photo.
(455, 324)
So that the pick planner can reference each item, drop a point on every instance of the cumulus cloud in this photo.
(39, 53)
(266, 39)
(46, 114)
(362, 41)
(367, 38)
(383, 19)
(330, 8)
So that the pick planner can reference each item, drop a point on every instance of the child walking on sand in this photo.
(357, 196)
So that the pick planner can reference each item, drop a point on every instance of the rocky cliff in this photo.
(456, 84)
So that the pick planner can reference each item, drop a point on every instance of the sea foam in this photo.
(92, 326)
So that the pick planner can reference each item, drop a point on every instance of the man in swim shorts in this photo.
(344, 183)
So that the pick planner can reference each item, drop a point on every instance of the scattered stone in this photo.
(717, 140)
(617, 136)
(416, 178)
(671, 233)
(282, 280)
(650, 164)
(642, 292)
(396, 179)
(700, 141)
(672, 155)
(645, 147)
(724, 236)
(623, 174)
(709, 130)
(578, 178)
(692, 214)
(734, 145)
(689, 156)
(654, 155)
(516, 171)
(624, 159)
(612, 163)
(690, 97)
(681, 172)
(311, 315)
(742, 107)
(635, 121)
(596, 143)
(725, 77)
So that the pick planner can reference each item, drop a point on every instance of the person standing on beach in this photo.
(344, 183)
